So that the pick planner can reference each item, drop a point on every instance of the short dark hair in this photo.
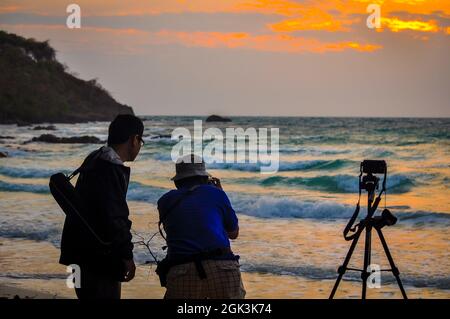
(124, 126)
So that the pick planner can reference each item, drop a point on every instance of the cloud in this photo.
(339, 16)
(288, 8)
(8, 9)
(135, 41)
(267, 43)
(260, 25)
(221, 22)
(397, 25)
(283, 7)
(320, 21)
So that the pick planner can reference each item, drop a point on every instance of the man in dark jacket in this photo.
(103, 184)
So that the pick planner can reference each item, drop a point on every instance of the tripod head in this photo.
(370, 182)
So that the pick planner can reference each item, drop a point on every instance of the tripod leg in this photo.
(367, 258)
(343, 268)
(395, 270)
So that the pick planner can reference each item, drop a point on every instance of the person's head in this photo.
(190, 170)
(125, 136)
(191, 181)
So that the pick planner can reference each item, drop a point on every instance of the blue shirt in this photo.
(199, 222)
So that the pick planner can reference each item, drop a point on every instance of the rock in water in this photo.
(50, 138)
(3, 154)
(161, 136)
(217, 118)
(47, 128)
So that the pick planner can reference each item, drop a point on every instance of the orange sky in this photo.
(325, 27)
(335, 16)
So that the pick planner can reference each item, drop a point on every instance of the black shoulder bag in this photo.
(72, 204)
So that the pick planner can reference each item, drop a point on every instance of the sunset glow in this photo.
(396, 25)
(345, 18)
(316, 57)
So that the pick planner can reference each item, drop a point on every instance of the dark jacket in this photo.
(102, 184)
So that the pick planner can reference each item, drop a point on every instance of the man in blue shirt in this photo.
(199, 221)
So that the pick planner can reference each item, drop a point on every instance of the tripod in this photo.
(368, 224)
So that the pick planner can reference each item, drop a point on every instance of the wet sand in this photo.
(42, 278)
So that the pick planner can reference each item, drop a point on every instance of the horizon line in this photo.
(302, 116)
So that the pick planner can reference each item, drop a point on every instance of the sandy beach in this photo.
(45, 279)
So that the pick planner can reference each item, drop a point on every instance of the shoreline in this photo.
(8, 291)
(255, 285)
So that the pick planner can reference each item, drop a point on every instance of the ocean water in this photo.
(291, 221)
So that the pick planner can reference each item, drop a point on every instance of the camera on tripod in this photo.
(373, 167)
(369, 182)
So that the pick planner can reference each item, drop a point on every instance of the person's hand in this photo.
(216, 182)
(130, 269)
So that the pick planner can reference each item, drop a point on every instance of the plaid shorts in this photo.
(223, 281)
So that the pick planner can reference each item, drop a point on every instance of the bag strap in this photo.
(370, 213)
(175, 204)
(352, 220)
(86, 161)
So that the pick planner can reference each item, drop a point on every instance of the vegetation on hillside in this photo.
(35, 87)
